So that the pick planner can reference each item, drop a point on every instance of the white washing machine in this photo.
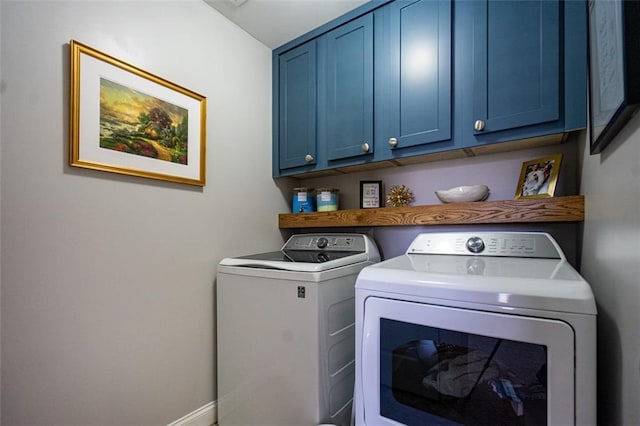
(286, 332)
(475, 329)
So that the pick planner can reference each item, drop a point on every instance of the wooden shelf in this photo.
(558, 209)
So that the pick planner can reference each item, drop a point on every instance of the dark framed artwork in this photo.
(371, 194)
(614, 67)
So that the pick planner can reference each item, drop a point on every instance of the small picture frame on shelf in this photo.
(538, 177)
(371, 194)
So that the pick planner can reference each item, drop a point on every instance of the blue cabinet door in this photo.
(348, 89)
(297, 95)
(415, 76)
(516, 64)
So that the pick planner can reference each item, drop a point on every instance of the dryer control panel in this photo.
(507, 244)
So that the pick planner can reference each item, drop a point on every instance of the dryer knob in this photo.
(475, 244)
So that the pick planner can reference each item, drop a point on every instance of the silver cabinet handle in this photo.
(365, 147)
(393, 142)
(308, 158)
(478, 126)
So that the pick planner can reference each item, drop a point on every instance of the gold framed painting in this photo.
(538, 177)
(126, 120)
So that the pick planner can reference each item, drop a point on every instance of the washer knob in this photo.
(475, 244)
(322, 242)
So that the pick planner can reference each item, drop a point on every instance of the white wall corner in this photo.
(203, 416)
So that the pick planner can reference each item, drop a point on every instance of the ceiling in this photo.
(275, 22)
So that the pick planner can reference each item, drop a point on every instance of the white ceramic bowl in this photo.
(463, 194)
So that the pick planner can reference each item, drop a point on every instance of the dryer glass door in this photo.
(427, 364)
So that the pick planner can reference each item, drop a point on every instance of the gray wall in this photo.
(611, 263)
(107, 309)
(107, 280)
(1, 90)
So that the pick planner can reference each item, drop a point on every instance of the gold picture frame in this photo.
(538, 177)
(125, 120)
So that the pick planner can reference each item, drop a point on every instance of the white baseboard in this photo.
(203, 416)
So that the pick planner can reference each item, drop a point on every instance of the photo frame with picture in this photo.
(538, 177)
(371, 194)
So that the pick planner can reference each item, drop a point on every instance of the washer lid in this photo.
(307, 261)
(534, 283)
(312, 253)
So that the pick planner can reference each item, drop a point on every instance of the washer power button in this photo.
(475, 244)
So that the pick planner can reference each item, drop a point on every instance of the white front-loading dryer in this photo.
(475, 329)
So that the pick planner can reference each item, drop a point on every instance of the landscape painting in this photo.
(140, 124)
(125, 120)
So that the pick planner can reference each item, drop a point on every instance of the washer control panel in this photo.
(508, 244)
(333, 242)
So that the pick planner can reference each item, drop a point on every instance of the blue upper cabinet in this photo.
(347, 84)
(394, 81)
(516, 63)
(295, 122)
(518, 73)
(414, 78)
